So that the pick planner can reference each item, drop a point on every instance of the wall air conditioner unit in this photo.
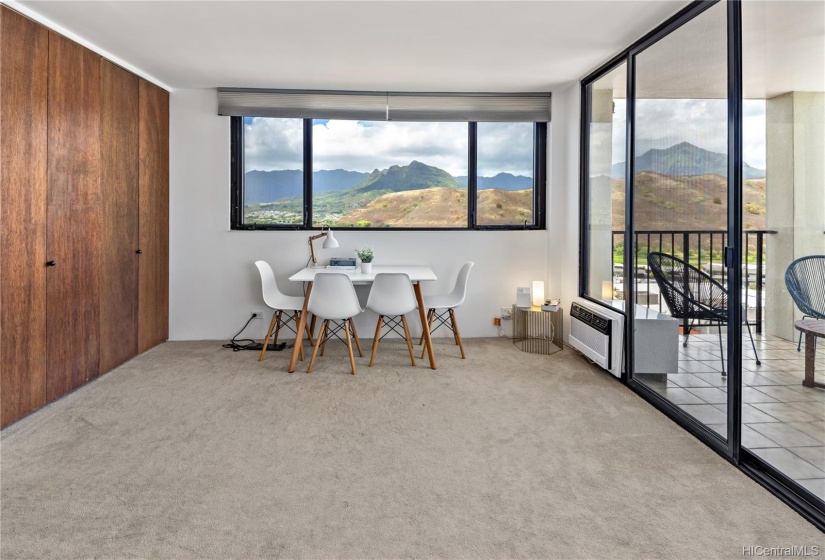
(598, 333)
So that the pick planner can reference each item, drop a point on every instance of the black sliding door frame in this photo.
(733, 253)
(731, 447)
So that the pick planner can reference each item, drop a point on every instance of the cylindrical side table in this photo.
(537, 331)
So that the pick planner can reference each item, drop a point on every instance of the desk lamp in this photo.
(329, 243)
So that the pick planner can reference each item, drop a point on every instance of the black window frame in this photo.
(540, 130)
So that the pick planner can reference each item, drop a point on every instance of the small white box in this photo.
(523, 297)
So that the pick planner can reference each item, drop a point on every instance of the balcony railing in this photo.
(703, 249)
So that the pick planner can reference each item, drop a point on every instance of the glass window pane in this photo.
(505, 174)
(389, 174)
(680, 213)
(273, 184)
(783, 56)
(606, 186)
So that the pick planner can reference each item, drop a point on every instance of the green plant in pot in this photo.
(365, 254)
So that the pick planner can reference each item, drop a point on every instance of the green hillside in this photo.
(329, 207)
(412, 177)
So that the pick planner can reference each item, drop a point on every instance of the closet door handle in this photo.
(51, 263)
(139, 252)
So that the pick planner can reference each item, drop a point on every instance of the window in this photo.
(368, 174)
(604, 194)
(505, 174)
(389, 174)
(273, 171)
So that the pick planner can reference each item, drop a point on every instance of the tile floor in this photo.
(784, 422)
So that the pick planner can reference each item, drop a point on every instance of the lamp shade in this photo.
(330, 242)
(538, 292)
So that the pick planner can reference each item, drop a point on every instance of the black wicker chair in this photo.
(693, 295)
(805, 279)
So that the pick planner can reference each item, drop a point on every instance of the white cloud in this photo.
(661, 123)
(364, 146)
(358, 146)
(753, 133)
(273, 144)
(505, 148)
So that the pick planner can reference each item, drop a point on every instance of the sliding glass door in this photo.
(680, 207)
(703, 221)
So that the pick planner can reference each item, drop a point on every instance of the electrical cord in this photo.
(234, 342)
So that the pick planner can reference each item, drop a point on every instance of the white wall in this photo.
(214, 286)
(563, 197)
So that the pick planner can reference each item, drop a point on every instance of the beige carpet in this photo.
(193, 451)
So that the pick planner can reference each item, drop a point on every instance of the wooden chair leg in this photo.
(455, 330)
(408, 338)
(312, 325)
(430, 322)
(278, 326)
(309, 332)
(355, 335)
(324, 329)
(297, 317)
(376, 338)
(457, 334)
(268, 334)
(317, 343)
(349, 347)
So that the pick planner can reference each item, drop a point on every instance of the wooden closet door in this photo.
(24, 56)
(119, 103)
(74, 217)
(153, 298)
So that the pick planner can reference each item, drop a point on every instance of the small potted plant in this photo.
(366, 254)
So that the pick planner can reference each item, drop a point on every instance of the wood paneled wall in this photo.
(119, 91)
(153, 322)
(24, 72)
(84, 196)
(73, 220)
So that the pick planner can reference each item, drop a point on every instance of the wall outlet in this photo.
(257, 314)
(497, 321)
(506, 313)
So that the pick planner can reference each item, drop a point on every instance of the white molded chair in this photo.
(333, 298)
(279, 303)
(442, 307)
(391, 297)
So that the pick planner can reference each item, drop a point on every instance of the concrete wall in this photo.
(563, 195)
(214, 286)
(795, 197)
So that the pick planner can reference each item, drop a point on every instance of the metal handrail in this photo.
(664, 240)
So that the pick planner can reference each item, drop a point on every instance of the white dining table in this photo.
(417, 274)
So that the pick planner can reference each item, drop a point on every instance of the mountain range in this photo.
(503, 181)
(412, 177)
(268, 186)
(684, 159)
